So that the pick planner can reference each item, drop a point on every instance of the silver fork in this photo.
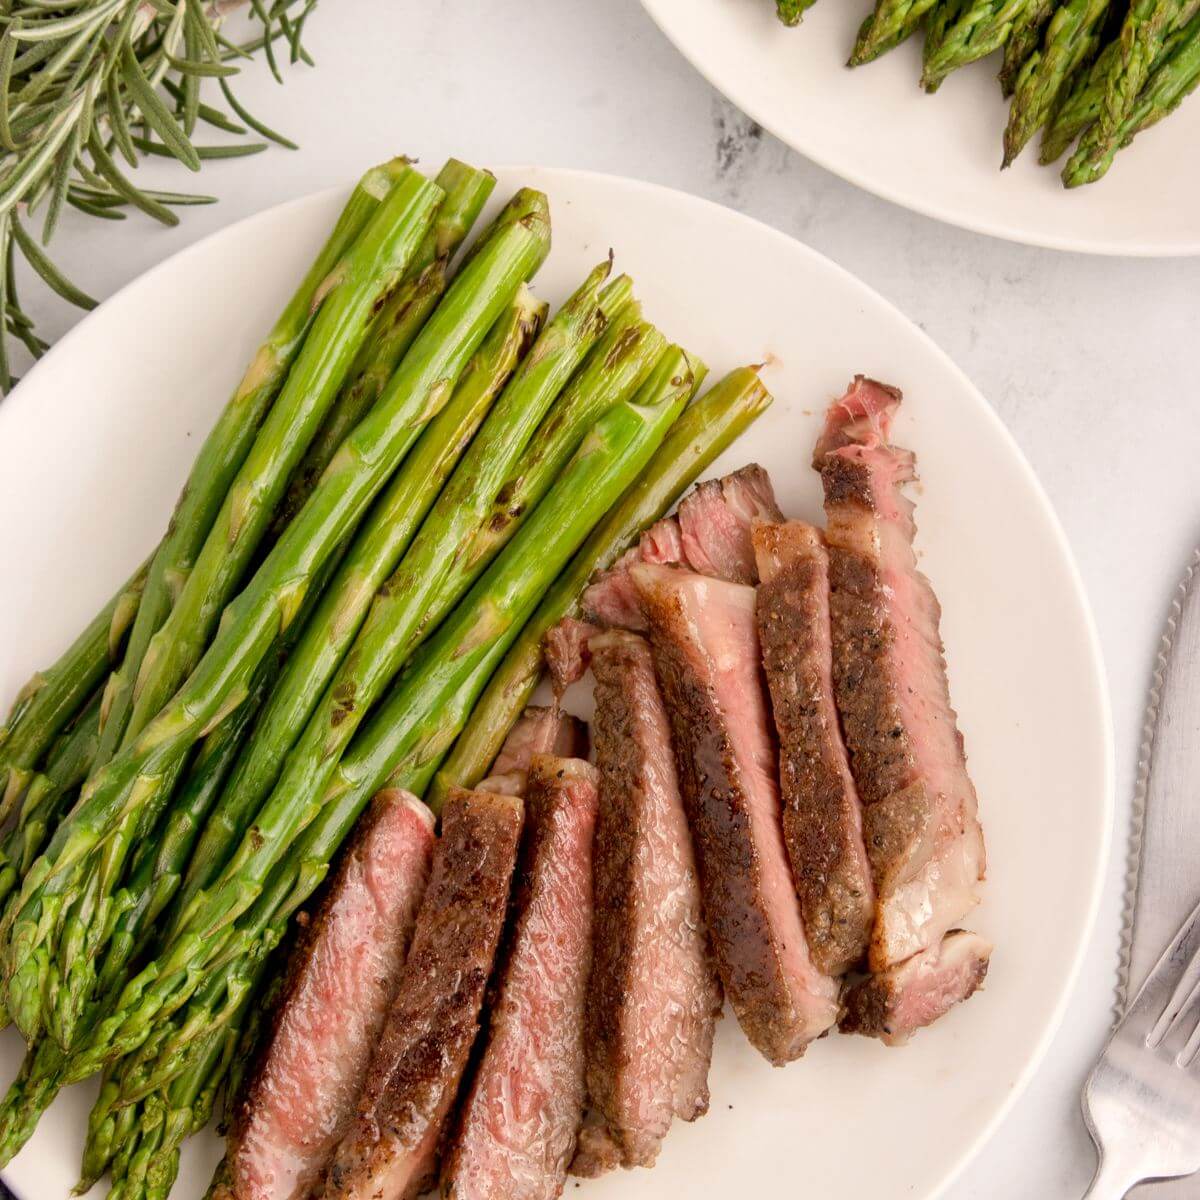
(1142, 1100)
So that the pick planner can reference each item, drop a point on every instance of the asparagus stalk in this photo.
(975, 30)
(1170, 84)
(1025, 38)
(47, 796)
(940, 25)
(890, 24)
(374, 264)
(271, 601)
(791, 12)
(394, 326)
(706, 430)
(618, 364)
(52, 697)
(1079, 109)
(1147, 25)
(1072, 40)
(428, 580)
(227, 445)
(376, 550)
(412, 729)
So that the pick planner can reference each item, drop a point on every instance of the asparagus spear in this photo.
(1169, 85)
(1072, 40)
(374, 261)
(393, 327)
(890, 24)
(1146, 27)
(974, 31)
(270, 602)
(791, 12)
(1079, 109)
(558, 351)
(618, 364)
(374, 264)
(940, 25)
(52, 697)
(413, 727)
(227, 445)
(1025, 38)
(47, 796)
(706, 430)
(427, 583)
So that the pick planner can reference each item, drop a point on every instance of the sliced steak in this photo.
(822, 816)
(862, 416)
(710, 534)
(895, 1003)
(521, 1115)
(662, 543)
(715, 520)
(906, 752)
(707, 658)
(539, 730)
(654, 998)
(390, 1150)
(565, 648)
(301, 1096)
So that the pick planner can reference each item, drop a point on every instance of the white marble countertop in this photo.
(1083, 358)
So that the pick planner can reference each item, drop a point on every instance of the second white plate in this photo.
(94, 445)
(939, 155)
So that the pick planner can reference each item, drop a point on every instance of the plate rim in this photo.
(656, 9)
(1098, 675)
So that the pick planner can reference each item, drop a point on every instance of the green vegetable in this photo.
(417, 723)
(52, 697)
(1072, 41)
(892, 22)
(791, 12)
(135, 781)
(1025, 38)
(1147, 26)
(346, 602)
(1169, 85)
(705, 430)
(977, 28)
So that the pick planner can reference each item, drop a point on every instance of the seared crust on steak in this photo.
(822, 816)
(654, 998)
(302, 1091)
(893, 1004)
(906, 753)
(706, 657)
(522, 1111)
(391, 1147)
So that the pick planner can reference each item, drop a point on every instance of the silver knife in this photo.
(1164, 853)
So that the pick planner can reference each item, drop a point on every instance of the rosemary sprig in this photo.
(88, 88)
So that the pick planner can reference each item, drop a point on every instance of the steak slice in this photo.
(822, 816)
(893, 1004)
(707, 658)
(301, 1097)
(654, 998)
(715, 520)
(710, 534)
(862, 416)
(390, 1150)
(565, 648)
(539, 730)
(522, 1112)
(906, 752)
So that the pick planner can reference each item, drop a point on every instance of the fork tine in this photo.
(1183, 1035)
(1169, 985)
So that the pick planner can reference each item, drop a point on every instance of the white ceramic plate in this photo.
(939, 155)
(95, 442)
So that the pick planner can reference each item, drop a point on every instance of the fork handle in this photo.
(1113, 1179)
